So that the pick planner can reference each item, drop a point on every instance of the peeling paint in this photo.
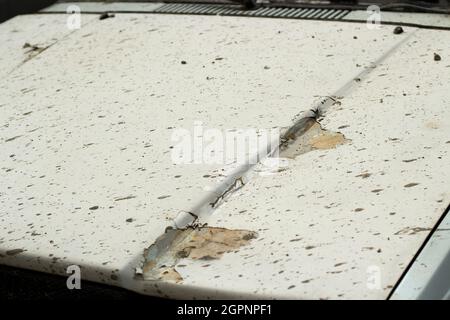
(195, 243)
(412, 230)
(327, 140)
(238, 183)
(311, 137)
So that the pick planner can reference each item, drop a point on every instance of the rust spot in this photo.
(196, 243)
(311, 136)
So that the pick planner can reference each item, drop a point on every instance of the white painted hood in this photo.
(87, 176)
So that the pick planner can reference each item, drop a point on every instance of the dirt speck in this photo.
(106, 15)
(340, 264)
(398, 30)
(409, 185)
(364, 175)
(12, 139)
(124, 198)
(13, 252)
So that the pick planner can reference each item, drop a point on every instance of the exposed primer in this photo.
(311, 136)
(195, 243)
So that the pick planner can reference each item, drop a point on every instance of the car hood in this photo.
(90, 118)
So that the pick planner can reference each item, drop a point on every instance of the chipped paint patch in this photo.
(169, 274)
(327, 140)
(412, 230)
(236, 185)
(196, 243)
(33, 50)
(311, 137)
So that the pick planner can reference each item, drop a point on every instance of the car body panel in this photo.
(88, 176)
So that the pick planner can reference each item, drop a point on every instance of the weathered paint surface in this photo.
(38, 31)
(338, 221)
(87, 176)
(195, 243)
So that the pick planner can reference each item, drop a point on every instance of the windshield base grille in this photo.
(213, 9)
